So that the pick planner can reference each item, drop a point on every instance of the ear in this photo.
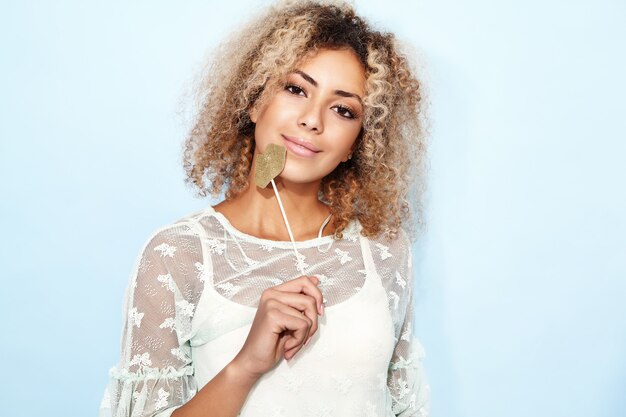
(349, 155)
(354, 146)
(253, 112)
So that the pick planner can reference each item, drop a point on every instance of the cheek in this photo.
(346, 136)
(274, 114)
(283, 108)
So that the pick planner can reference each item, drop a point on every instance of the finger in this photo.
(291, 351)
(286, 309)
(305, 285)
(301, 302)
(296, 323)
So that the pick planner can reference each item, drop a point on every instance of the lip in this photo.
(300, 146)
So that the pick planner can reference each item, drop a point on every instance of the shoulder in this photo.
(171, 256)
(394, 251)
(186, 227)
(392, 261)
(176, 242)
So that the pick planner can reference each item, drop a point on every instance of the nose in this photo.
(311, 118)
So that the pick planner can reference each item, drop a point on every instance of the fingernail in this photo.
(322, 309)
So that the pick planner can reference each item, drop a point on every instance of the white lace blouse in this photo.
(192, 298)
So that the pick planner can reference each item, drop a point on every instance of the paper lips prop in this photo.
(269, 164)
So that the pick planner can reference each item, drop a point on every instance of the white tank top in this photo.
(342, 371)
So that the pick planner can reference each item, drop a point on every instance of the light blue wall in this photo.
(522, 275)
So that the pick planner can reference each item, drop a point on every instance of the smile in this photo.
(299, 147)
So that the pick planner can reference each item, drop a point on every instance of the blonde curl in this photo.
(383, 183)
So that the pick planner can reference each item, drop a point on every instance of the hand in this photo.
(285, 319)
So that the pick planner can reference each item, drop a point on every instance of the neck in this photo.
(256, 211)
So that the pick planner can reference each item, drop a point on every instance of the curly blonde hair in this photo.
(382, 184)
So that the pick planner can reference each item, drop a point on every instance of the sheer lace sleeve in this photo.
(154, 374)
(409, 389)
(406, 381)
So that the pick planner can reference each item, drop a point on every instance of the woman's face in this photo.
(317, 116)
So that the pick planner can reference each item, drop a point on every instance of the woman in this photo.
(229, 312)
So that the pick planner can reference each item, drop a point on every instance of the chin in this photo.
(299, 177)
(298, 173)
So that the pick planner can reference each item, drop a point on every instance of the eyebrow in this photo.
(341, 93)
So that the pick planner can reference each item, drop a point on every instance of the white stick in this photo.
(293, 243)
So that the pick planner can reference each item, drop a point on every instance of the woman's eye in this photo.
(294, 89)
(345, 112)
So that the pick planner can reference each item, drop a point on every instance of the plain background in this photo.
(521, 275)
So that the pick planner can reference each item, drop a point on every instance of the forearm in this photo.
(223, 396)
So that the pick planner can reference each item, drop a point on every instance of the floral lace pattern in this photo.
(203, 253)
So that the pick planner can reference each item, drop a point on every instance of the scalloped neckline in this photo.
(277, 243)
